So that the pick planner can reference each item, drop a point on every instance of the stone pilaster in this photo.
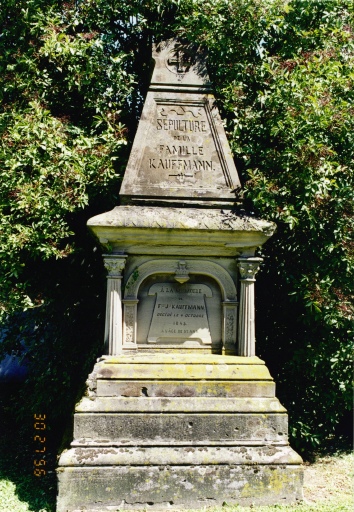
(114, 264)
(229, 327)
(130, 307)
(246, 321)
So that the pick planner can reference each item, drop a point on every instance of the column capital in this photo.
(249, 267)
(114, 264)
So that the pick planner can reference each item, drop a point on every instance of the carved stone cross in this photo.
(180, 61)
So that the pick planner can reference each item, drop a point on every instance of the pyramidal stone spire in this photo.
(180, 153)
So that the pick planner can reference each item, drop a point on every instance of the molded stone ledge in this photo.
(180, 404)
(202, 455)
(174, 427)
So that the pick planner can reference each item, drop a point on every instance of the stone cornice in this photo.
(180, 218)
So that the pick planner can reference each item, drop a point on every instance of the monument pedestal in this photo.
(165, 431)
(179, 413)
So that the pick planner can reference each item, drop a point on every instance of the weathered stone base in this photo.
(164, 487)
(175, 431)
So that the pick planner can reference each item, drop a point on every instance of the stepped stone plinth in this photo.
(179, 431)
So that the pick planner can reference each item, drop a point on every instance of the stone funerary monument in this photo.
(179, 412)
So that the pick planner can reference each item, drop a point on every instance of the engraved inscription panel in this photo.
(146, 308)
(180, 314)
(183, 153)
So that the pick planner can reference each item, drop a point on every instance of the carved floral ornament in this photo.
(114, 265)
(181, 274)
(249, 268)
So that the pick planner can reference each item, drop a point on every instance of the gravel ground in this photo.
(329, 478)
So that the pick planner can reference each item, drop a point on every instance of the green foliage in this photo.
(60, 136)
(49, 169)
(285, 81)
(72, 82)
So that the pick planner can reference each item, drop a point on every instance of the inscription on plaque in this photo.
(184, 153)
(180, 314)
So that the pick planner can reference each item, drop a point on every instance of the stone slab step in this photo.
(202, 455)
(261, 389)
(178, 427)
(185, 372)
(181, 358)
(180, 404)
(103, 488)
(107, 443)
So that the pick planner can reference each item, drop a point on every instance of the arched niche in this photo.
(139, 303)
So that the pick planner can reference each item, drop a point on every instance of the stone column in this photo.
(246, 320)
(113, 335)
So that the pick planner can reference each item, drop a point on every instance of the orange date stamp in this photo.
(39, 461)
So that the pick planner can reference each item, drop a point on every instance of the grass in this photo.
(10, 502)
